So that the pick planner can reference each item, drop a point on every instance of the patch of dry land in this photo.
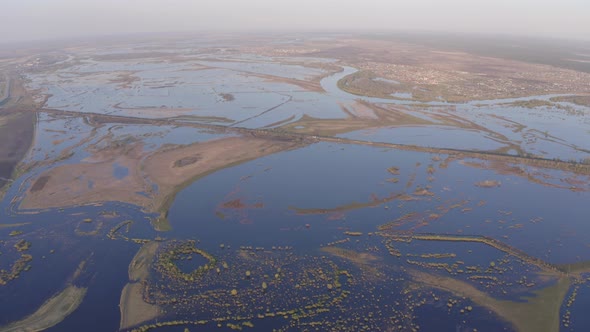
(51, 312)
(134, 310)
(429, 73)
(140, 265)
(366, 262)
(170, 169)
(578, 100)
(360, 115)
(538, 313)
(16, 134)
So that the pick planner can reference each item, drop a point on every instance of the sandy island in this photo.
(134, 310)
(51, 312)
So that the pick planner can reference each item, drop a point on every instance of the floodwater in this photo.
(259, 94)
(330, 176)
(279, 216)
(321, 176)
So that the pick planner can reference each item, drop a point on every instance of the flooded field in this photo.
(205, 188)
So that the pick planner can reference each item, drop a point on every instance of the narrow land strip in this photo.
(51, 312)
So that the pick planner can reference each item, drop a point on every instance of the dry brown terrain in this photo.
(17, 128)
(89, 182)
(139, 267)
(360, 115)
(134, 310)
(429, 73)
(171, 168)
(539, 313)
(16, 135)
(51, 312)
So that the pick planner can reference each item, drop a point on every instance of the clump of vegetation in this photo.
(166, 263)
(79, 229)
(22, 245)
(112, 234)
(423, 192)
(533, 103)
(227, 96)
(353, 233)
(393, 170)
(578, 100)
(15, 270)
(186, 161)
(157, 325)
(488, 184)
(431, 169)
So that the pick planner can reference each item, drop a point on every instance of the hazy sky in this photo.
(42, 19)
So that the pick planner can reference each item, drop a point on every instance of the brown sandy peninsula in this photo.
(170, 168)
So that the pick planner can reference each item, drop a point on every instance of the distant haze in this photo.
(49, 19)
